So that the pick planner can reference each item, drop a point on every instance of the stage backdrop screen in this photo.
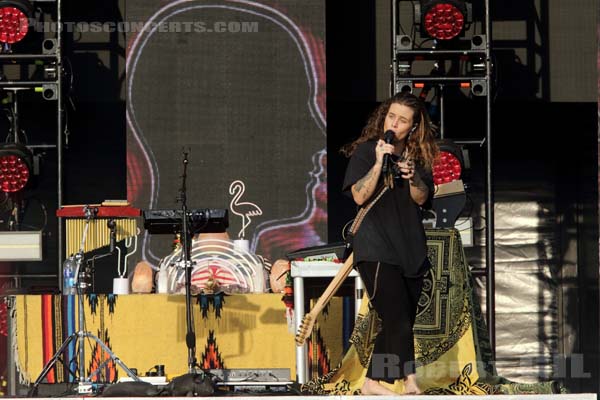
(240, 86)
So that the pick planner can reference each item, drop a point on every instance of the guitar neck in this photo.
(333, 286)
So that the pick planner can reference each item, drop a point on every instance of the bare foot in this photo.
(410, 385)
(373, 387)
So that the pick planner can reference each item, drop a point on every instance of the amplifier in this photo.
(200, 220)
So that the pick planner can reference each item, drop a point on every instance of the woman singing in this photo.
(390, 247)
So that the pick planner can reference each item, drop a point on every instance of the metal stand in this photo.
(186, 243)
(14, 222)
(187, 223)
(85, 383)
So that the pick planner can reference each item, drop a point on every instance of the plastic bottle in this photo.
(69, 267)
(162, 281)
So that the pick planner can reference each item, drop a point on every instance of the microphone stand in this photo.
(186, 242)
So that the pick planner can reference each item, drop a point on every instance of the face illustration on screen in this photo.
(243, 104)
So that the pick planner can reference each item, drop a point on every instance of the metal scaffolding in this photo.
(406, 77)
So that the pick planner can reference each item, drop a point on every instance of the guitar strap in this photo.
(310, 318)
(360, 216)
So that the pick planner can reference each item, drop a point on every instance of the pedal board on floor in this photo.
(255, 377)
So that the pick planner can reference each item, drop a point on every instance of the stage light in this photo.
(16, 162)
(14, 20)
(443, 19)
(449, 165)
(449, 197)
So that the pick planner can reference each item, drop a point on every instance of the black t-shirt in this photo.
(392, 231)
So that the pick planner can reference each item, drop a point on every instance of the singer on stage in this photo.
(396, 148)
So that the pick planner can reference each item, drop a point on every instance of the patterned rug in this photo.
(145, 330)
(452, 350)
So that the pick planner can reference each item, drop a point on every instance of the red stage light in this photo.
(15, 167)
(14, 173)
(14, 25)
(14, 20)
(449, 197)
(443, 19)
(447, 168)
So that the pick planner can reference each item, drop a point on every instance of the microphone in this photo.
(112, 226)
(388, 136)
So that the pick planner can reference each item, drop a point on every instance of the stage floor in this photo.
(62, 391)
(579, 396)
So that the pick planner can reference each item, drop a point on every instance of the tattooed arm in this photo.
(418, 190)
(365, 187)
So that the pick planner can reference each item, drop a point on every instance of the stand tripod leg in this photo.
(112, 356)
(33, 390)
(51, 363)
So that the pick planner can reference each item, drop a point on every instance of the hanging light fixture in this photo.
(449, 165)
(14, 20)
(449, 197)
(442, 19)
(16, 162)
